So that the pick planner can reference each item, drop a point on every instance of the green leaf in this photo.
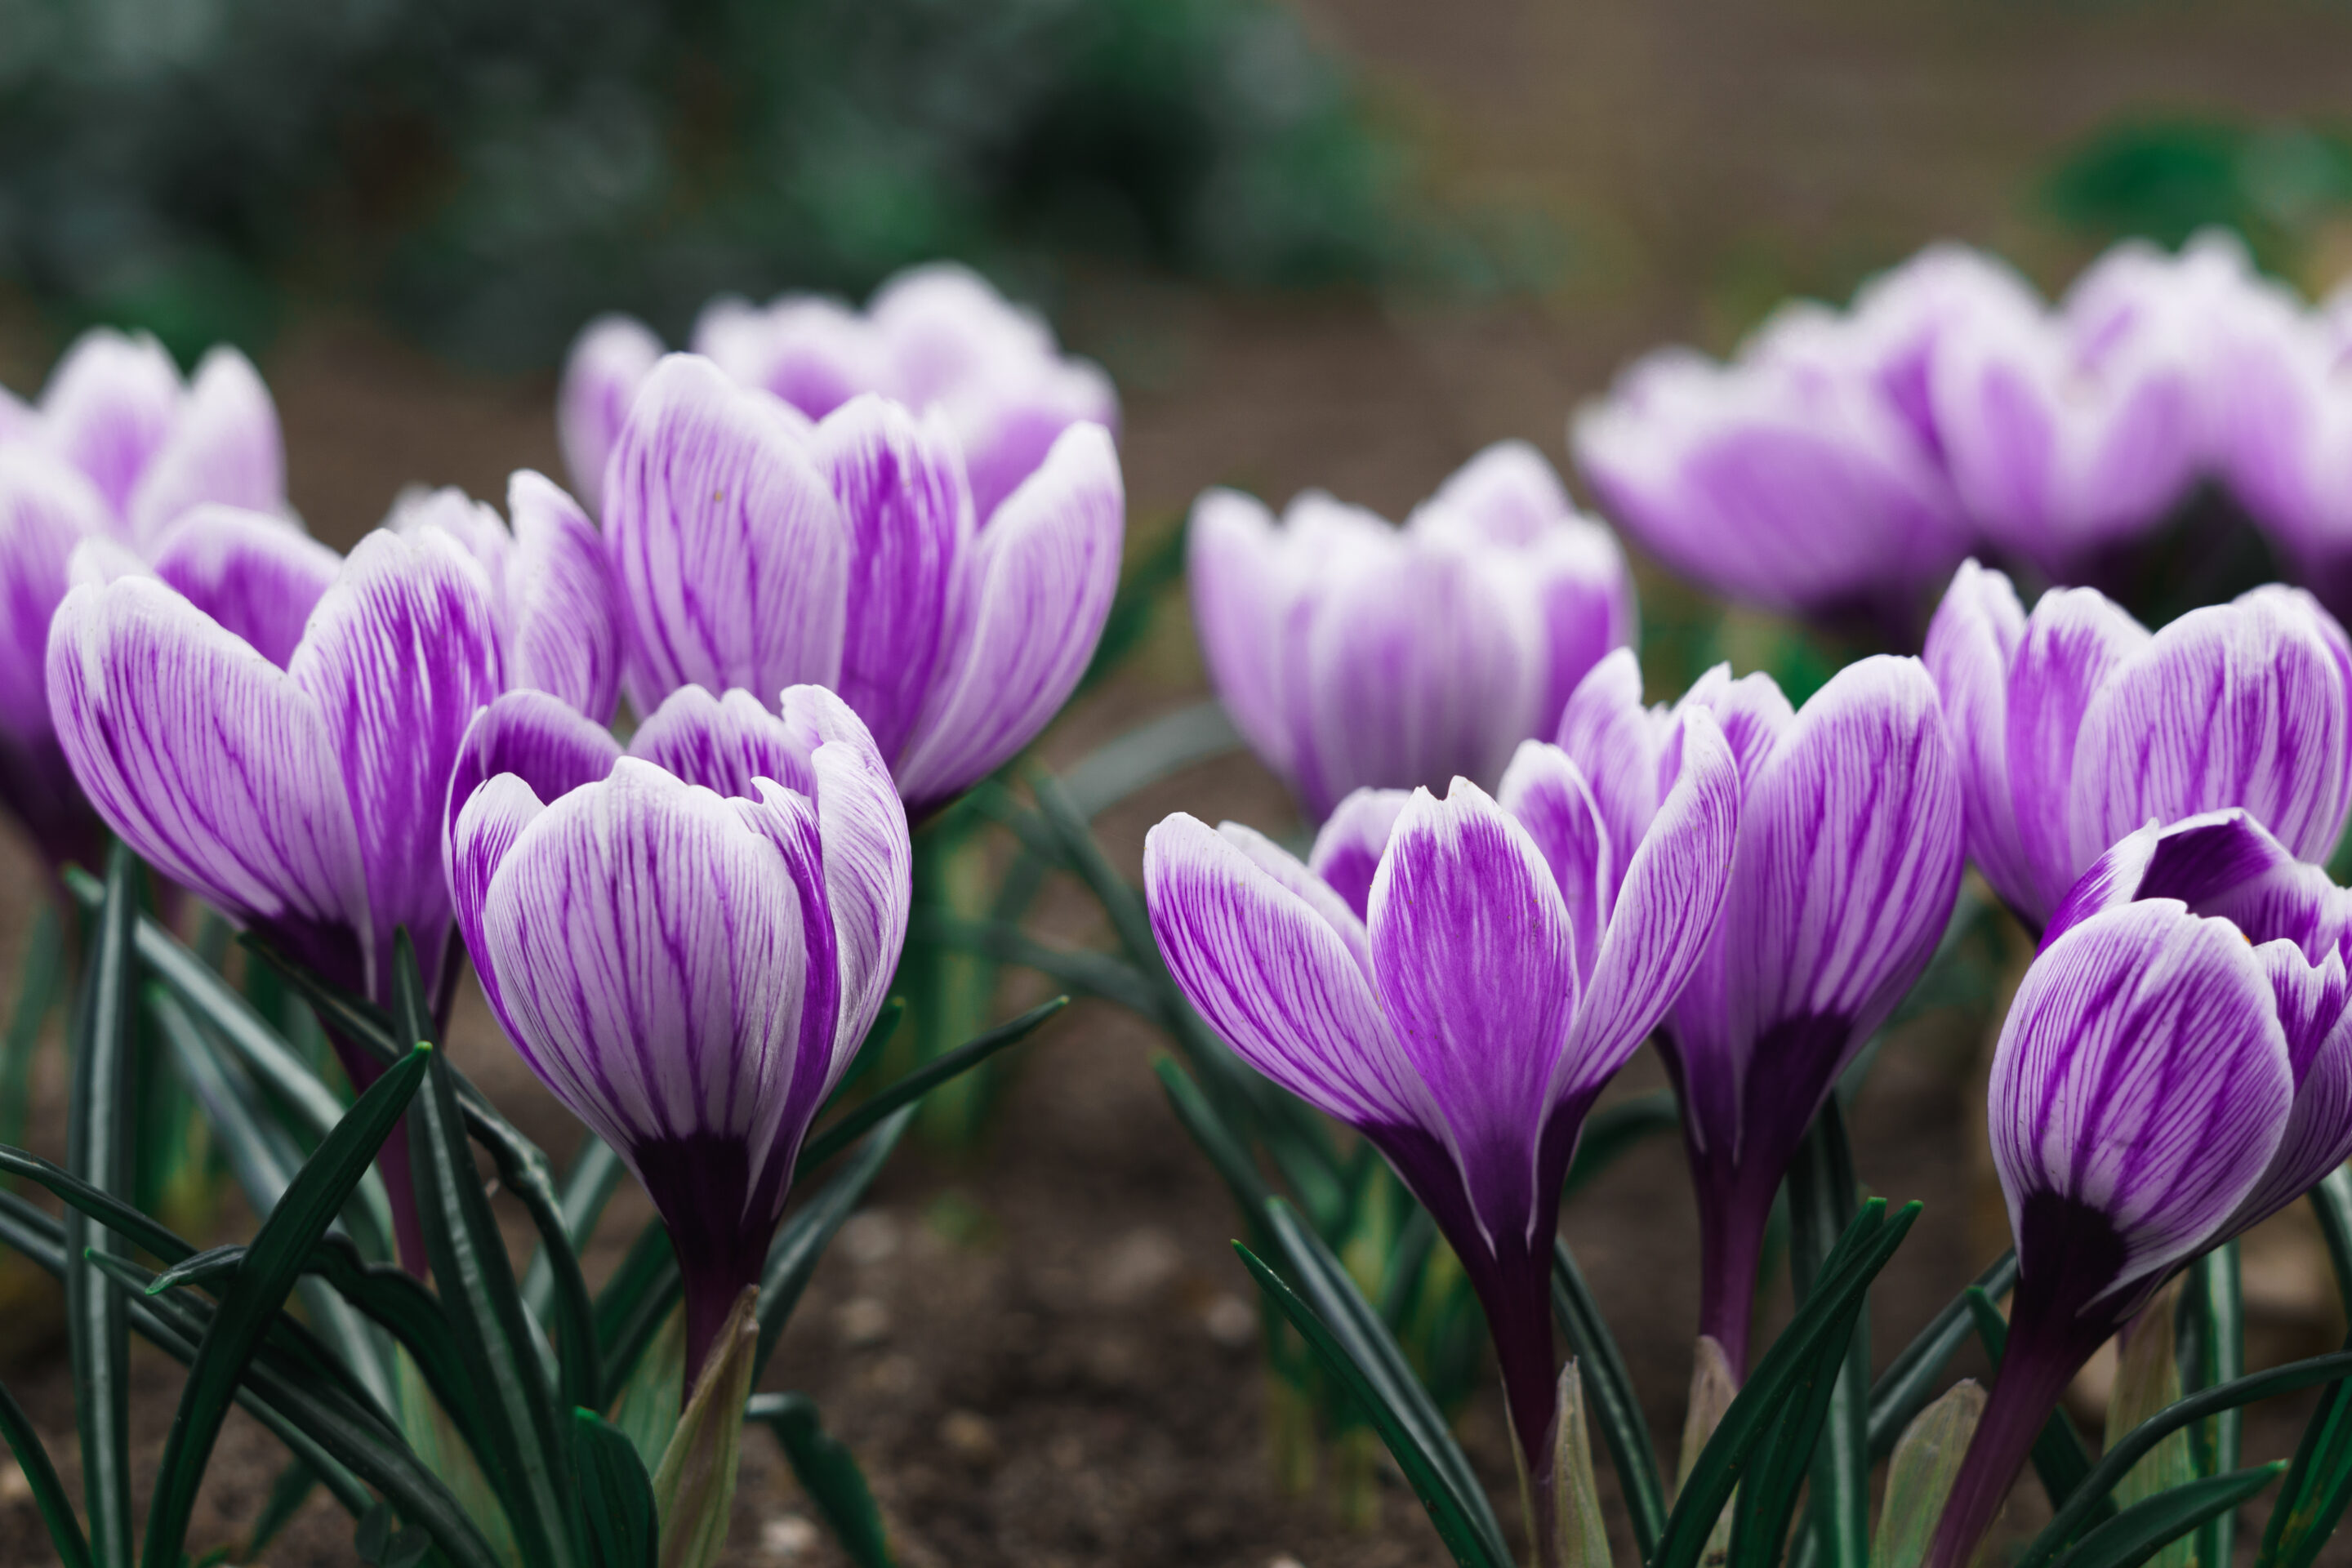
(617, 1527)
(792, 1255)
(1774, 1476)
(694, 1489)
(1910, 1379)
(39, 980)
(2318, 1485)
(646, 1409)
(588, 1186)
(1821, 1326)
(1472, 1543)
(828, 1472)
(1087, 973)
(1823, 1195)
(2060, 1458)
(101, 1208)
(1148, 753)
(1614, 1130)
(527, 1460)
(2145, 1529)
(257, 1286)
(919, 1082)
(1609, 1390)
(1216, 1139)
(98, 1145)
(1919, 1478)
(2331, 1204)
(1582, 1531)
(41, 1476)
(636, 1300)
(2217, 1309)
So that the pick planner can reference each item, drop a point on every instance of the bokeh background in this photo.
(1326, 242)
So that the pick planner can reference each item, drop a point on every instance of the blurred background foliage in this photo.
(488, 174)
(2286, 189)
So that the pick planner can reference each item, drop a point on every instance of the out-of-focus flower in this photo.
(935, 336)
(2165, 1079)
(551, 585)
(153, 444)
(686, 944)
(2075, 725)
(1459, 982)
(2284, 432)
(1354, 655)
(755, 551)
(46, 508)
(1849, 857)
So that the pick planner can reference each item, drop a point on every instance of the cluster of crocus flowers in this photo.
(1355, 655)
(755, 549)
(1841, 462)
(1842, 879)
(2176, 1068)
(688, 943)
(2075, 724)
(1458, 978)
(934, 337)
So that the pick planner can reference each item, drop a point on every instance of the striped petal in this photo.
(2318, 1137)
(47, 508)
(1543, 790)
(1972, 643)
(1617, 745)
(722, 743)
(256, 574)
(224, 449)
(533, 736)
(609, 360)
(1241, 596)
(109, 406)
(2074, 641)
(1347, 853)
(562, 608)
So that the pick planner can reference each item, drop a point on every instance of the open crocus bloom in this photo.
(1458, 979)
(551, 585)
(1354, 655)
(2176, 1067)
(1848, 860)
(2283, 389)
(47, 509)
(756, 550)
(935, 336)
(2075, 725)
(154, 446)
(688, 943)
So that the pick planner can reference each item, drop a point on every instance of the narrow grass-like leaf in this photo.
(792, 1255)
(1609, 1394)
(1822, 1196)
(40, 979)
(587, 1187)
(41, 1476)
(2146, 1528)
(634, 1300)
(1908, 1384)
(1216, 1139)
(1148, 753)
(828, 1473)
(99, 1155)
(2218, 1305)
(1086, 972)
(1774, 1476)
(1823, 1323)
(1471, 1544)
(2318, 1485)
(1614, 1130)
(98, 1207)
(1351, 1320)
(260, 1282)
(617, 1526)
(2060, 1458)
(694, 1483)
(921, 1081)
(2331, 1204)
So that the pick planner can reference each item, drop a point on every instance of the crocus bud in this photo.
(1465, 1006)
(2075, 725)
(46, 508)
(754, 551)
(1353, 654)
(1847, 863)
(687, 951)
(2165, 1077)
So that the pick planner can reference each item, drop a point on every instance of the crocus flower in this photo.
(1458, 979)
(551, 585)
(1355, 655)
(1848, 860)
(2075, 725)
(2176, 1068)
(154, 446)
(753, 549)
(275, 730)
(688, 944)
(1805, 476)
(46, 508)
(935, 336)
(2283, 394)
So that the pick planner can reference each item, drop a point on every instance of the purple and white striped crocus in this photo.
(756, 550)
(2284, 385)
(153, 444)
(934, 336)
(687, 944)
(1458, 979)
(2176, 1068)
(2075, 725)
(1353, 654)
(1848, 859)
(47, 509)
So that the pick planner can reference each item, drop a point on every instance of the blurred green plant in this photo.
(493, 173)
(2164, 178)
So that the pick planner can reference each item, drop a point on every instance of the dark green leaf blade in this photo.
(2146, 1528)
(828, 1472)
(617, 1526)
(792, 1255)
(919, 1082)
(1822, 1198)
(41, 1476)
(1904, 1389)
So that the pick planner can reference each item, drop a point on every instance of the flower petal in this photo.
(1347, 853)
(2318, 1133)
(1972, 643)
(609, 360)
(1240, 598)
(224, 448)
(1752, 710)
(731, 558)
(401, 652)
(901, 484)
(1544, 790)
(47, 508)
(1476, 965)
(723, 744)
(2243, 704)
(1040, 588)
(109, 406)
(1273, 976)
(1617, 744)
(1507, 494)
(562, 608)
(484, 824)
(258, 575)
(2075, 640)
(530, 735)
(2142, 1073)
